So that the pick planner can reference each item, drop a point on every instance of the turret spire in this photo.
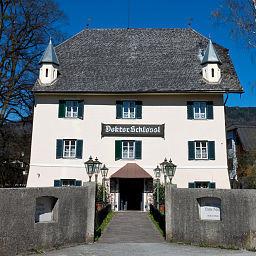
(210, 55)
(49, 55)
(49, 65)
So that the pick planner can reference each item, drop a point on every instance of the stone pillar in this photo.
(89, 236)
(168, 211)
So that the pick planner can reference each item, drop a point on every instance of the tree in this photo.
(240, 15)
(25, 26)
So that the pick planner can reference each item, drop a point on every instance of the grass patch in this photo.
(103, 225)
(156, 224)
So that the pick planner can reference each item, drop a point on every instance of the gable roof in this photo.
(49, 55)
(246, 134)
(210, 55)
(131, 171)
(137, 61)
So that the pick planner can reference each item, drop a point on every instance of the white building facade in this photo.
(84, 112)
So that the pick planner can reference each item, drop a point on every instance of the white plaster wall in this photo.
(207, 73)
(170, 110)
(52, 73)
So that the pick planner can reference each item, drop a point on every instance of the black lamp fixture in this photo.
(90, 167)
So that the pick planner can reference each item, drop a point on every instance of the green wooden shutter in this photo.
(78, 183)
(119, 109)
(212, 185)
(138, 146)
(209, 110)
(191, 150)
(138, 109)
(211, 150)
(191, 185)
(118, 149)
(57, 183)
(59, 149)
(81, 109)
(62, 106)
(190, 110)
(79, 149)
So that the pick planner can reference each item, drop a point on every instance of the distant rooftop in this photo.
(138, 61)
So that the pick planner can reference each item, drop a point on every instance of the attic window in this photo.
(212, 72)
(46, 72)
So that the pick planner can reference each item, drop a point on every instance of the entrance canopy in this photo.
(131, 171)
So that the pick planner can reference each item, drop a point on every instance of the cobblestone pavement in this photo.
(133, 234)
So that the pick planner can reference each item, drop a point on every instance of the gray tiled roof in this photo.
(246, 134)
(247, 137)
(137, 60)
(49, 55)
(210, 55)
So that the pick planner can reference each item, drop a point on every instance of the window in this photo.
(212, 72)
(46, 72)
(127, 149)
(199, 110)
(129, 109)
(67, 183)
(201, 150)
(201, 184)
(71, 109)
(69, 148)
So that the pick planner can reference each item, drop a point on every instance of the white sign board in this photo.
(209, 208)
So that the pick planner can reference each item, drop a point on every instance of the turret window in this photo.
(212, 72)
(46, 72)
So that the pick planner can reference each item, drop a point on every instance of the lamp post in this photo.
(89, 166)
(157, 171)
(97, 166)
(104, 173)
(170, 170)
(163, 166)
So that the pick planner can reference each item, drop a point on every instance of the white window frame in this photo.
(130, 149)
(131, 112)
(69, 182)
(201, 115)
(68, 144)
(202, 155)
(72, 113)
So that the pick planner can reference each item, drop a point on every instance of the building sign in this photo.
(132, 130)
(209, 208)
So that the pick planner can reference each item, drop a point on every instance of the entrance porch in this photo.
(131, 188)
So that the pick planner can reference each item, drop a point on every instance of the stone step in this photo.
(131, 227)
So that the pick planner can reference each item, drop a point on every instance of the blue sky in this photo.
(166, 14)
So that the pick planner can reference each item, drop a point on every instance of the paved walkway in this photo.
(133, 234)
(131, 227)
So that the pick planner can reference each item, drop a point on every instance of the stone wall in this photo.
(188, 222)
(26, 222)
